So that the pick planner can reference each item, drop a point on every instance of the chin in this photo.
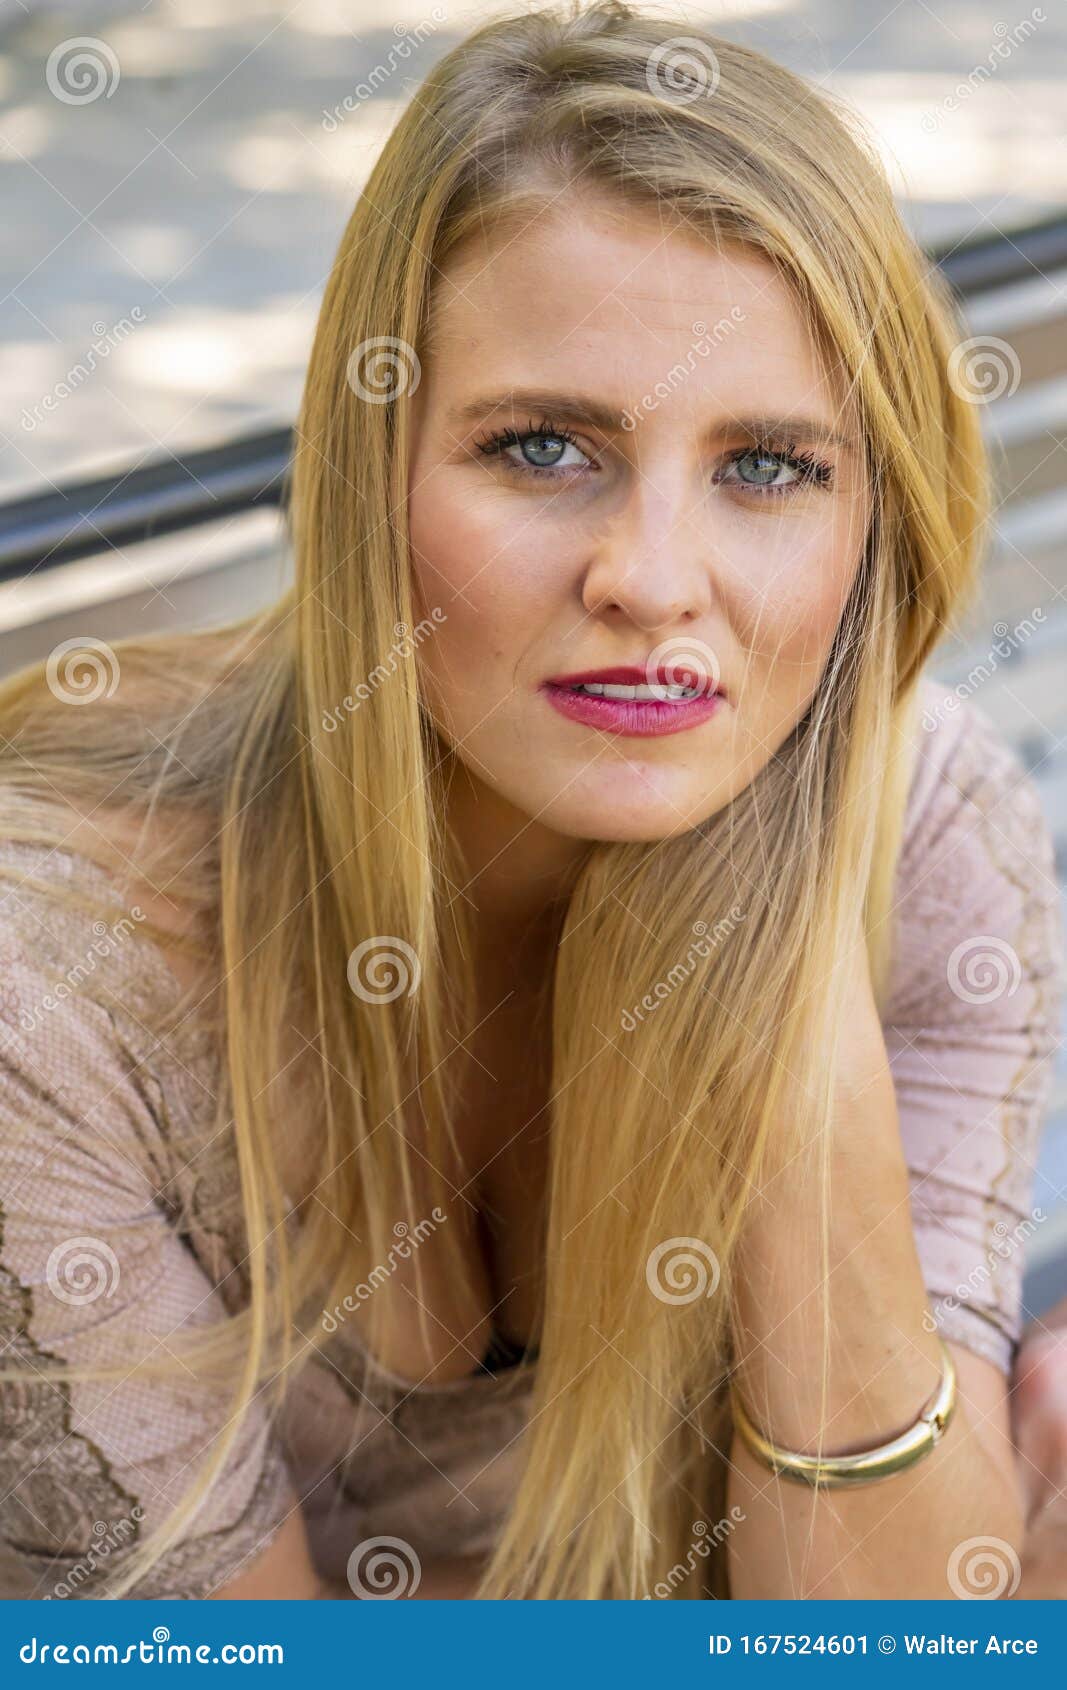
(641, 817)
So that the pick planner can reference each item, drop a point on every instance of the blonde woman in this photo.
(522, 1064)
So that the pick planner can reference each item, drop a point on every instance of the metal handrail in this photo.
(1002, 257)
(113, 511)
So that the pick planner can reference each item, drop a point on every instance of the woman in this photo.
(586, 1019)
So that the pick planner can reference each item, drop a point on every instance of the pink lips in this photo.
(642, 718)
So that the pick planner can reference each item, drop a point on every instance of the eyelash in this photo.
(811, 471)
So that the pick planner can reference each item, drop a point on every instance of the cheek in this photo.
(787, 600)
(474, 547)
(472, 559)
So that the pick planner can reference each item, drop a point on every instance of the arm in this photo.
(94, 1272)
(1039, 1420)
(893, 1538)
(948, 1127)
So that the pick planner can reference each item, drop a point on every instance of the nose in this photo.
(651, 562)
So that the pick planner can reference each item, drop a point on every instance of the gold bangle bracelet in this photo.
(866, 1465)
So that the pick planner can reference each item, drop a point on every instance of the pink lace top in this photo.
(112, 1218)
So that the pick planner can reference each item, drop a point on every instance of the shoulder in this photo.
(119, 1221)
(975, 898)
(97, 1052)
(78, 877)
(968, 783)
(973, 1012)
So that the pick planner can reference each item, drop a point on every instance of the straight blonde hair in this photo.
(296, 829)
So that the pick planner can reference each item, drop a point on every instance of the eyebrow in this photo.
(594, 411)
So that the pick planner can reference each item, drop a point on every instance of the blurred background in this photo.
(175, 181)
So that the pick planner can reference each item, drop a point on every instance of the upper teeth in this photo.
(609, 690)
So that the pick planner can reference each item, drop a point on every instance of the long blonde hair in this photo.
(299, 828)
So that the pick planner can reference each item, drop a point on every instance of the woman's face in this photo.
(627, 455)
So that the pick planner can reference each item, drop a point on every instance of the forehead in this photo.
(617, 296)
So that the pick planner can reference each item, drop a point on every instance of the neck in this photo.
(517, 872)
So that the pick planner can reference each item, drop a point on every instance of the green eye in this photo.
(764, 465)
(541, 446)
(543, 450)
(767, 464)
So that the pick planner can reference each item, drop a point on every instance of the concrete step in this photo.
(1029, 316)
(1035, 465)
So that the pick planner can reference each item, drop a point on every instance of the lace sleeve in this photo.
(973, 1025)
(92, 1270)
